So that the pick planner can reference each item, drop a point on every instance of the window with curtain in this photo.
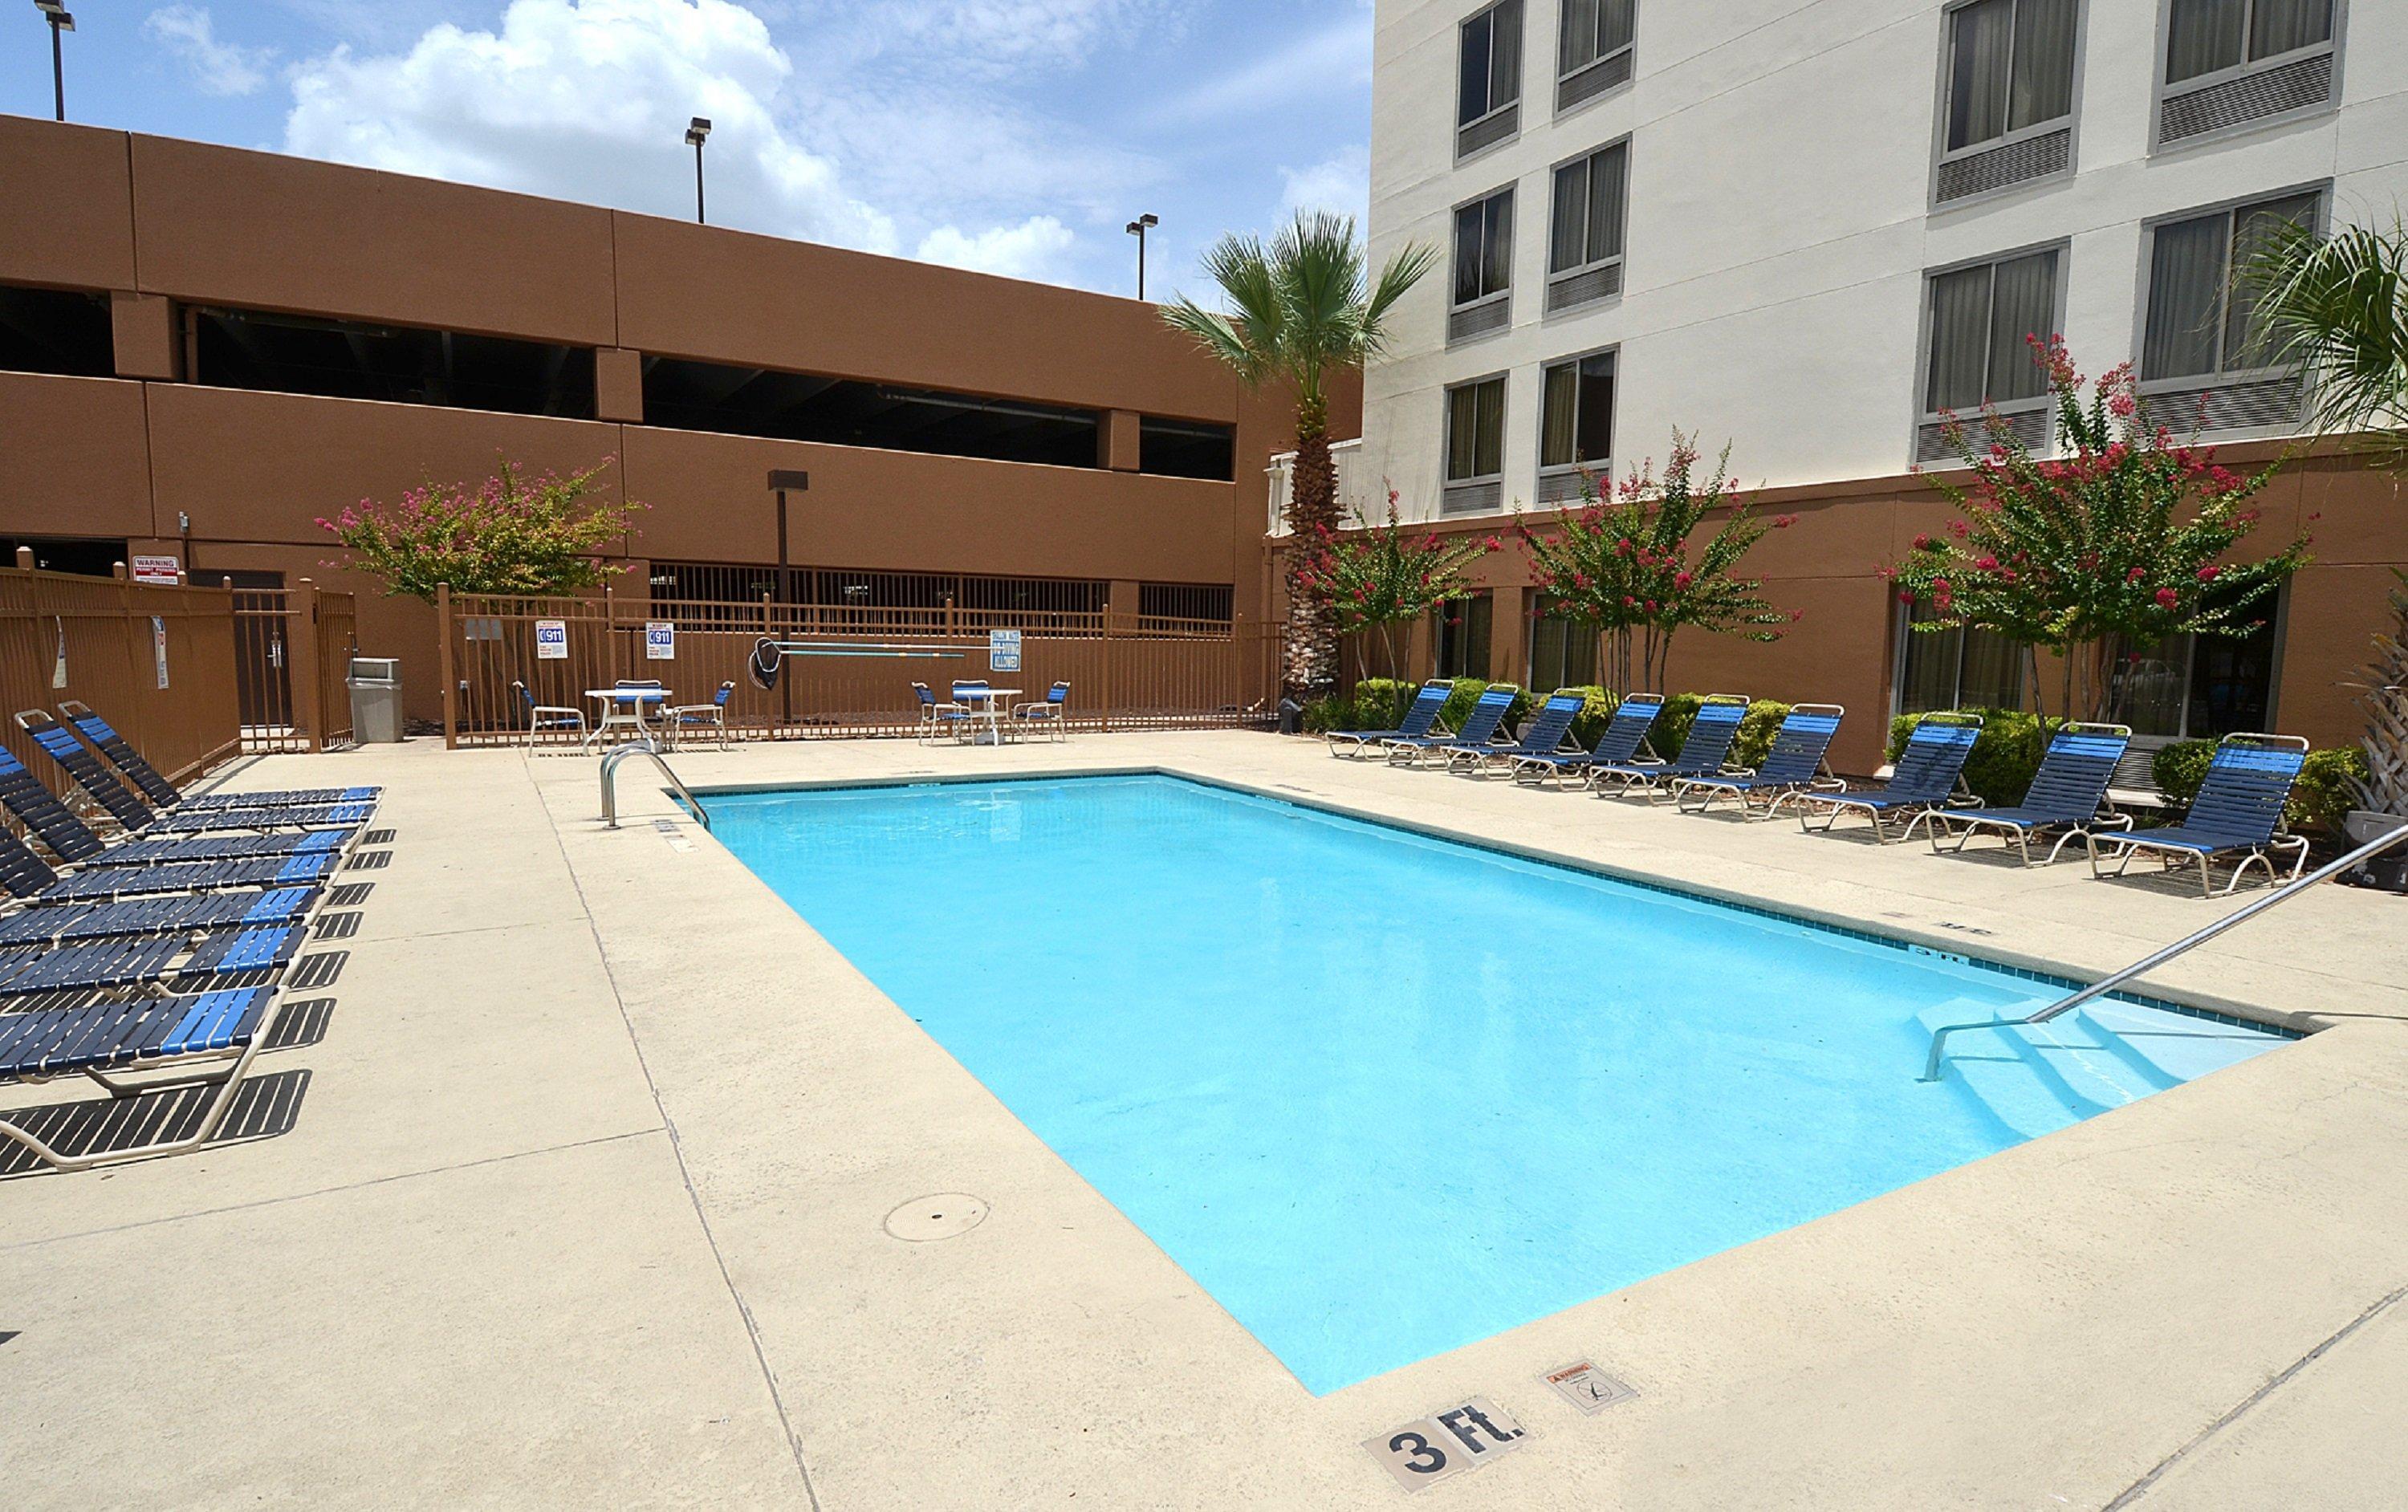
(2198, 318)
(1459, 636)
(1949, 670)
(1981, 319)
(2009, 67)
(1593, 30)
(1475, 430)
(1591, 199)
(1576, 412)
(2208, 37)
(1483, 248)
(1563, 650)
(1491, 60)
(2197, 687)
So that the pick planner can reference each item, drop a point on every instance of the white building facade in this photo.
(1805, 226)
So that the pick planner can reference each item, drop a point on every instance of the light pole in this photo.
(56, 14)
(695, 132)
(782, 480)
(1137, 228)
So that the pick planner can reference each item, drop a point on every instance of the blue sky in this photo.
(1014, 136)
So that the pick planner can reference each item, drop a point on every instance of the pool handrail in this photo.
(610, 781)
(2104, 985)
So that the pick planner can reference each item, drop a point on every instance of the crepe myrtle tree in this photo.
(1300, 309)
(2124, 539)
(515, 533)
(1630, 562)
(1380, 576)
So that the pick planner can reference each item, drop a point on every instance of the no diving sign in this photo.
(1430, 1449)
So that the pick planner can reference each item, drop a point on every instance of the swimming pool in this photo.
(1382, 1095)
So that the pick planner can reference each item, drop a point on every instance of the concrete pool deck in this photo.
(584, 1195)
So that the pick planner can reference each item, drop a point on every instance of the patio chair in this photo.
(1421, 719)
(544, 717)
(172, 914)
(1051, 712)
(1797, 764)
(29, 879)
(84, 768)
(678, 719)
(2239, 811)
(1479, 727)
(2069, 792)
(153, 784)
(180, 961)
(71, 839)
(1625, 733)
(103, 1039)
(1930, 774)
(1703, 752)
(935, 718)
(1545, 735)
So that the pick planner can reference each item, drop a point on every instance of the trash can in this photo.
(376, 698)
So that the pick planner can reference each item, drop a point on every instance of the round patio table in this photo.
(988, 704)
(622, 709)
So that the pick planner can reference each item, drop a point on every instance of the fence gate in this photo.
(292, 648)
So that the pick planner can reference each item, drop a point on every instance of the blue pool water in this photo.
(1381, 1094)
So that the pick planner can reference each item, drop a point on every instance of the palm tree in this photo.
(1298, 310)
(2335, 310)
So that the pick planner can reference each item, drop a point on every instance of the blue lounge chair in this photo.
(169, 914)
(1930, 774)
(2239, 811)
(1545, 735)
(103, 1039)
(27, 876)
(1625, 733)
(184, 963)
(71, 839)
(2069, 792)
(153, 784)
(1703, 752)
(1479, 727)
(1796, 764)
(84, 768)
(1420, 720)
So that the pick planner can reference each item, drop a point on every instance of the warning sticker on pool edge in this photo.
(1587, 1387)
(1446, 1443)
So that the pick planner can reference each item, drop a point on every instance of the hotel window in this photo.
(1584, 245)
(2009, 96)
(1948, 669)
(1459, 636)
(1186, 448)
(2203, 368)
(1563, 650)
(56, 331)
(1575, 427)
(1489, 92)
(2200, 687)
(2231, 64)
(1484, 267)
(263, 350)
(1475, 448)
(1594, 53)
(1979, 323)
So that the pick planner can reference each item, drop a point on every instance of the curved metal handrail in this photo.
(610, 779)
(2108, 984)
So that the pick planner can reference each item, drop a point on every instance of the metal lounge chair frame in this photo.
(1799, 762)
(1479, 727)
(84, 768)
(936, 716)
(1548, 729)
(1705, 750)
(72, 840)
(1930, 774)
(1625, 736)
(678, 719)
(547, 717)
(2239, 807)
(2069, 792)
(1053, 711)
(1420, 720)
(153, 784)
(103, 1039)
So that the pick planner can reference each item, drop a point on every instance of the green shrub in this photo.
(1380, 703)
(1597, 712)
(1671, 727)
(2180, 768)
(1756, 728)
(2324, 795)
(1467, 692)
(2005, 756)
(1322, 715)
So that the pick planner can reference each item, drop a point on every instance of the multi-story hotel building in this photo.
(1807, 227)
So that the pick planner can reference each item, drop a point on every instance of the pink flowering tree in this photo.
(1381, 577)
(2123, 537)
(515, 533)
(1640, 565)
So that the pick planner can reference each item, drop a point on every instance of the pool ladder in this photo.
(2189, 942)
(644, 747)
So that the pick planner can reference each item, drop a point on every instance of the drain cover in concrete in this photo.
(945, 1216)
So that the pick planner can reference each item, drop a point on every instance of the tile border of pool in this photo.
(2232, 1012)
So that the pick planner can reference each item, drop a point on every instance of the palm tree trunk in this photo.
(1312, 670)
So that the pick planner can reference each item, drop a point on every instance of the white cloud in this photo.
(1341, 184)
(1038, 247)
(1336, 57)
(997, 34)
(588, 99)
(218, 67)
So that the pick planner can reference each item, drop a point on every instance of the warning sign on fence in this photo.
(551, 640)
(155, 569)
(659, 641)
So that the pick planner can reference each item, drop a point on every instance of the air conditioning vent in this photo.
(1584, 287)
(2032, 427)
(1488, 130)
(1592, 80)
(2003, 167)
(1478, 321)
(1472, 498)
(1565, 487)
(2236, 102)
(2222, 405)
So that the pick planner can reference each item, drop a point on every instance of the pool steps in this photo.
(2036, 1078)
